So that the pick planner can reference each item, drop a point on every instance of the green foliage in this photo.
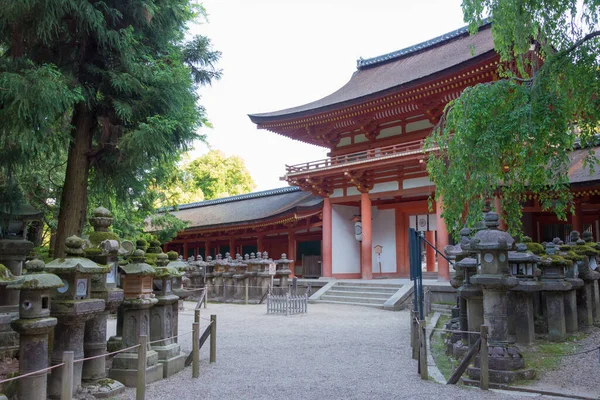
(114, 76)
(210, 176)
(98, 237)
(513, 136)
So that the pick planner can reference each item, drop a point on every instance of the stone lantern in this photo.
(283, 271)
(524, 266)
(72, 305)
(33, 327)
(588, 298)
(492, 245)
(103, 286)
(229, 271)
(554, 287)
(252, 272)
(472, 294)
(137, 279)
(14, 247)
(458, 253)
(239, 278)
(263, 271)
(164, 321)
(209, 277)
(219, 268)
(572, 277)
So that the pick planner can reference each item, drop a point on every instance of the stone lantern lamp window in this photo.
(523, 264)
(137, 277)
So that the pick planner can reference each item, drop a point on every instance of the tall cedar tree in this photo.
(119, 79)
(513, 136)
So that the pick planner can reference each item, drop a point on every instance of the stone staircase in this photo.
(367, 294)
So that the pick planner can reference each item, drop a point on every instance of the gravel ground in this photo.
(333, 352)
(576, 374)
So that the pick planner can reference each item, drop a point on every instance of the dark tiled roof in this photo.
(247, 208)
(578, 172)
(397, 69)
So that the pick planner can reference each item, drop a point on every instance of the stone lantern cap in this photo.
(102, 219)
(138, 266)
(491, 238)
(462, 248)
(74, 262)
(36, 278)
(521, 255)
(284, 260)
(467, 262)
(162, 260)
(175, 262)
(167, 272)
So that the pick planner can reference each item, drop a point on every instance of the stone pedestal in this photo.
(228, 289)
(68, 336)
(571, 324)
(136, 321)
(33, 355)
(584, 305)
(555, 310)
(240, 287)
(162, 326)
(12, 256)
(595, 302)
(522, 312)
(218, 285)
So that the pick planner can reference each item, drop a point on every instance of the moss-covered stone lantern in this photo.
(33, 327)
(72, 305)
(137, 278)
(588, 297)
(104, 251)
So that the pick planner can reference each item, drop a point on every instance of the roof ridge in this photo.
(362, 63)
(230, 199)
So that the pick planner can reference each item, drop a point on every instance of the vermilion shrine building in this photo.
(375, 126)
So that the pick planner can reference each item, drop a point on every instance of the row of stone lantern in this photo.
(74, 296)
(517, 294)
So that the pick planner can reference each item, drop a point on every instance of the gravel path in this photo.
(576, 374)
(333, 352)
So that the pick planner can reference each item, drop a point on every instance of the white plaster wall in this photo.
(384, 234)
(346, 249)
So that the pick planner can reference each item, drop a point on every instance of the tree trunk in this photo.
(73, 204)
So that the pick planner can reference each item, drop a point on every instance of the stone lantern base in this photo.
(124, 368)
(171, 358)
(505, 365)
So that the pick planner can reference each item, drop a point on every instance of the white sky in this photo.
(283, 53)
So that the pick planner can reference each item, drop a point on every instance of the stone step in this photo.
(378, 295)
(348, 303)
(381, 289)
(348, 299)
(370, 283)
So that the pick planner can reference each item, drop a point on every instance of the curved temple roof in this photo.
(392, 71)
(247, 208)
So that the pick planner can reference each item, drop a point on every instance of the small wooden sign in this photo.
(272, 269)
(378, 249)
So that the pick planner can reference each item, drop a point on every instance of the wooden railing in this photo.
(406, 148)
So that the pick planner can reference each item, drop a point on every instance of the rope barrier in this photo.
(452, 331)
(569, 354)
(172, 337)
(31, 373)
(106, 354)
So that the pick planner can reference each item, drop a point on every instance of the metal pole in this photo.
(67, 376)
(213, 338)
(140, 393)
(196, 350)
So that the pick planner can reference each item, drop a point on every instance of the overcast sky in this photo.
(283, 53)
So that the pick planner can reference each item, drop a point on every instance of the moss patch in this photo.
(96, 238)
(535, 248)
(5, 274)
(445, 363)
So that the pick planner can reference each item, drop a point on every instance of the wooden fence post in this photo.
(197, 315)
(205, 296)
(483, 359)
(423, 349)
(213, 338)
(67, 376)
(196, 350)
(140, 392)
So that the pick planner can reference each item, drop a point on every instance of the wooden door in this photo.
(311, 266)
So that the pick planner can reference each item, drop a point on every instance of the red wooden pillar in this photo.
(206, 249)
(498, 207)
(185, 250)
(291, 251)
(430, 253)
(442, 241)
(259, 244)
(232, 248)
(366, 265)
(577, 218)
(326, 264)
